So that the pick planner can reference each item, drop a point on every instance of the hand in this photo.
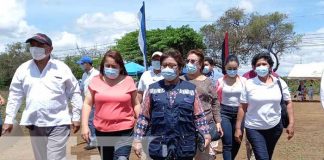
(207, 139)
(290, 131)
(137, 145)
(85, 133)
(2, 101)
(238, 135)
(219, 129)
(6, 128)
(75, 126)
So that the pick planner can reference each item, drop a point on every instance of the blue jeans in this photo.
(93, 139)
(264, 141)
(230, 146)
(213, 132)
(122, 147)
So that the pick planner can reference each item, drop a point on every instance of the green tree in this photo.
(183, 39)
(14, 55)
(250, 34)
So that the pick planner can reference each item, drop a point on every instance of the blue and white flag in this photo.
(142, 33)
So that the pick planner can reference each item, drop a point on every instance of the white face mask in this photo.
(37, 53)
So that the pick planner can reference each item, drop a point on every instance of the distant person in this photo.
(229, 89)
(2, 102)
(89, 72)
(322, 90)
(150, 76)
(310, 92)
(210, 71)
(113, 93)
(301, 91)
(260, 109)
(49, 87)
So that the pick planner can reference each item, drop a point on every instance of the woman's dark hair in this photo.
(265, 56)
(232, 58)
(210, 61)
(118, 59)
(176, 55)
(200, 54)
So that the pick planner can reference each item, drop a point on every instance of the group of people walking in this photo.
(169, 115)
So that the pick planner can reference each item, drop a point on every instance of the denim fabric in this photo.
(93, 139)
(122, 148)
(230, 146)
(264, 141)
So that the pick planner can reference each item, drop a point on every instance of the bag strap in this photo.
(278, 81)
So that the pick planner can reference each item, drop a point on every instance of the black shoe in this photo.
(89, 147)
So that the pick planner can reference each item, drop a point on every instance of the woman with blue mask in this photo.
(113, 93)
(260, 109)
(207, 96)
(172, 113)
(229, 89)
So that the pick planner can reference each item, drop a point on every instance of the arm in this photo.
(136, 104)
(74, 94)
(2, 100)
(86, 109)
(291, 126)
(140, 96)
(215, 107)
(240, 116)
(143, 118)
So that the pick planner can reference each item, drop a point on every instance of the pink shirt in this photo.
(113, 104)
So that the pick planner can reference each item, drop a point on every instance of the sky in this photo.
(98, 23)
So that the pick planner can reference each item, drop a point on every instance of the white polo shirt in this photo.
(147, 78)
(86, 79)
(264, 110)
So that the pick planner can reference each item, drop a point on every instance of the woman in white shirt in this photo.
(261, 109)
(229, 90)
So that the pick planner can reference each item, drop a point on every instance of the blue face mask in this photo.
(231, 73)
(111, 73)
(206, 70)
(191, 68)
(156, 65)
(262, 71)
(169, 74)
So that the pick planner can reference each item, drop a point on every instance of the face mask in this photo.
(231, 73)
(191, 68)
(37, 53)
(111, 73)
(82, 67)
(206, 70)
(156, 65)
(169, 74)
(262, 71)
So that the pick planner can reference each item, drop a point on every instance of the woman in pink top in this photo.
(113, 93)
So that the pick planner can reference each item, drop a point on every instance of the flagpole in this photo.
(144, 36)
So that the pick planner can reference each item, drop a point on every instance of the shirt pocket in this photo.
(55, 84)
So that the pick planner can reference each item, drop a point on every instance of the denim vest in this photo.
(172, 126)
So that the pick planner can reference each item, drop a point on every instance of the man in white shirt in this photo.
(322, 90)
(150, 76)
(89, 72)
(48, 86)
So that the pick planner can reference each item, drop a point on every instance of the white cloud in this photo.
(203, 9)
(12, 20)
(247, 5)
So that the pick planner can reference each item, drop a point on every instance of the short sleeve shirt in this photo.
(264, 110)
(148, 78)
(113, 104)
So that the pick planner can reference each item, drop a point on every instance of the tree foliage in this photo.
(183, 39)
(14, 55)
(250, 34)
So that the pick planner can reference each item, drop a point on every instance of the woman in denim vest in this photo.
(171, 112)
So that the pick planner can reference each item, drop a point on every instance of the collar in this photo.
(91, 70)
(259, 82)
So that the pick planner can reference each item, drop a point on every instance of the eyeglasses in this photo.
(170, 65)
(193, 61)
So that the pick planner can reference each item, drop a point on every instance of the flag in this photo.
(142, 33)
(224, 52)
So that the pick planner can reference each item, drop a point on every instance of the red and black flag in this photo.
(225, 52)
